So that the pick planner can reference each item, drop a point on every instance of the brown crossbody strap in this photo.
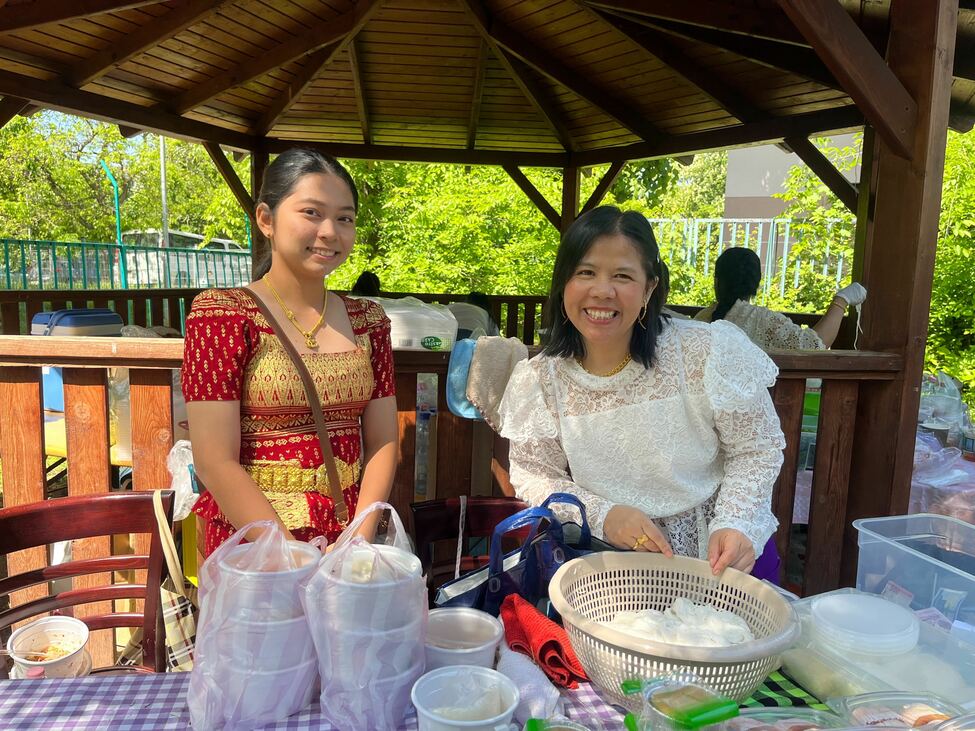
(311, 393)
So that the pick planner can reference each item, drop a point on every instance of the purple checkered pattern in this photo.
(158, 702)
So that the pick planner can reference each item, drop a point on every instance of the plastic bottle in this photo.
(422, 454)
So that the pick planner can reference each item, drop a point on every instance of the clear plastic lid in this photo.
(906, 710)
(864, 624)
(786, 718)
(959, 723)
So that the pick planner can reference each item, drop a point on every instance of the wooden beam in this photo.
(259, 244)
(428, 154)
(605, 183)
(768, 130)
(522, 77)
(899, 264)
(761, 19)
(853, 60)
(151, 34)
(315, 63)
(31, 15)
(230, 177)
(477, 92)
(799, 60)
(534, 195)
(621, 110)
(362, 107)
(663, 48)
(128, 132)
(318, 36)
(55, 95)
(570, 196)
(817, 162)
(10, 107)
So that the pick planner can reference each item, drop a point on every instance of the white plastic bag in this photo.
(254, 662)
(178, 463)
(367, 605)
(417, 325)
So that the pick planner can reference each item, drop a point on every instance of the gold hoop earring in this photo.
(643, 314)
(565, 316)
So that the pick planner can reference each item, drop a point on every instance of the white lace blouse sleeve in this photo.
(538, 465)
(736, 380)
(779, 331)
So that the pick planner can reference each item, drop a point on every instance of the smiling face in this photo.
(603, 297)
(312, 230)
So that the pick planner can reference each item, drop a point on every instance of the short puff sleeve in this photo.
(220, 339)
(381, 344)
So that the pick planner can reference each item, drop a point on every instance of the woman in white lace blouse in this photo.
(663, 428)
(737, 274)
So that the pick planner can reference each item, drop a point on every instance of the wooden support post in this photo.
(89, 473)
(605, 183)
(898, 264)
(570, 196)
(259, 243)
(10, 107)
(534, 195)
(825, 171)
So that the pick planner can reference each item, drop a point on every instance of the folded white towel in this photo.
(539, 698)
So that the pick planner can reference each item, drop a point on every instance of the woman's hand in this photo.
(730, 547)
(629, 528)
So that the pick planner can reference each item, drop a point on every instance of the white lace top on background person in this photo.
(693, 441)
(768, 329)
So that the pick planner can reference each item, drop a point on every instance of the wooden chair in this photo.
(71, 518)
(438, 520)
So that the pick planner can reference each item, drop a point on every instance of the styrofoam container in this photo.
(39, 635)
(265, 595)
(353, 651)
(921, 561)
(266, 696)
(462, 636)
(486, 695)
(267, 644)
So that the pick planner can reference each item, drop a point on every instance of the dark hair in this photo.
(367, 285)
(479, 299)
(563, 339)
(737, 274)
(283, 174)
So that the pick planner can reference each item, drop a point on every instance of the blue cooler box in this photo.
(76, 322)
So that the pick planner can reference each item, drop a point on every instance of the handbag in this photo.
(180, 607)
(315, 404)
(525, 571)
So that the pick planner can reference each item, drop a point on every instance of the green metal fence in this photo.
(59, 265)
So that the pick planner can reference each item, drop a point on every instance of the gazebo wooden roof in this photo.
(518, 82)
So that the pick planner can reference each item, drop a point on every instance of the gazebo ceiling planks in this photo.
(566, 83)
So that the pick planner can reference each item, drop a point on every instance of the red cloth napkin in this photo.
(530, 632)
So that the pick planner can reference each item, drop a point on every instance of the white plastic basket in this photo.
(591, 590)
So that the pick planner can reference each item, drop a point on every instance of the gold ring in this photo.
(640, 541)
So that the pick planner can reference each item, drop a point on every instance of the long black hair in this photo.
(737, 274)
(563, 339)
(283, 174)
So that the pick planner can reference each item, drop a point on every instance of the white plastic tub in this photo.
(37, 636)
(462, 636)
(487, 698)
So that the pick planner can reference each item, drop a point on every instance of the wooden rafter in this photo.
(231, 178)
(151, 34)
(477, 93)
(605, 183)
(663, 48)
(853, 60)
(10, 107)
(817, 162)
(623, 111)
(541, 203)
(361, 104)
(399, 153)
(521, 76)
(293, 48)
(571, 180)
(31, 15)
(761, 19)
(318, 62)
(128, 132)
(55, 95)
(799, 60)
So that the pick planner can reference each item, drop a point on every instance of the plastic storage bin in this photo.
(79, 322)
(922, 561)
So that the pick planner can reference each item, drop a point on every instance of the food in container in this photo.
(959, 723)
(906, 710)
(270, 592)
(782, 719)
(55, 645)
(685, 623)
(676, 701)
(464, 697)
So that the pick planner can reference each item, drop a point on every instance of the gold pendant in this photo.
(311, 342)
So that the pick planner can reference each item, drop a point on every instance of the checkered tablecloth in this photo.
(144, 702)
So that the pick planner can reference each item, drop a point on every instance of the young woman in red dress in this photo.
(255, 446)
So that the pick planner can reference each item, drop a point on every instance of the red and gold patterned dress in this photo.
(232, 354)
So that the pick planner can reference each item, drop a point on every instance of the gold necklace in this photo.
(613, 372)
(309, 335)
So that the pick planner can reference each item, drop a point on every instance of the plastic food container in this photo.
(464, 697)
(32, 639)
(462, 636)
(266, 595)
(961, 723)
(908, 710)
(938, 663)
(920, 561)
(863, 624)
(786, 719)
